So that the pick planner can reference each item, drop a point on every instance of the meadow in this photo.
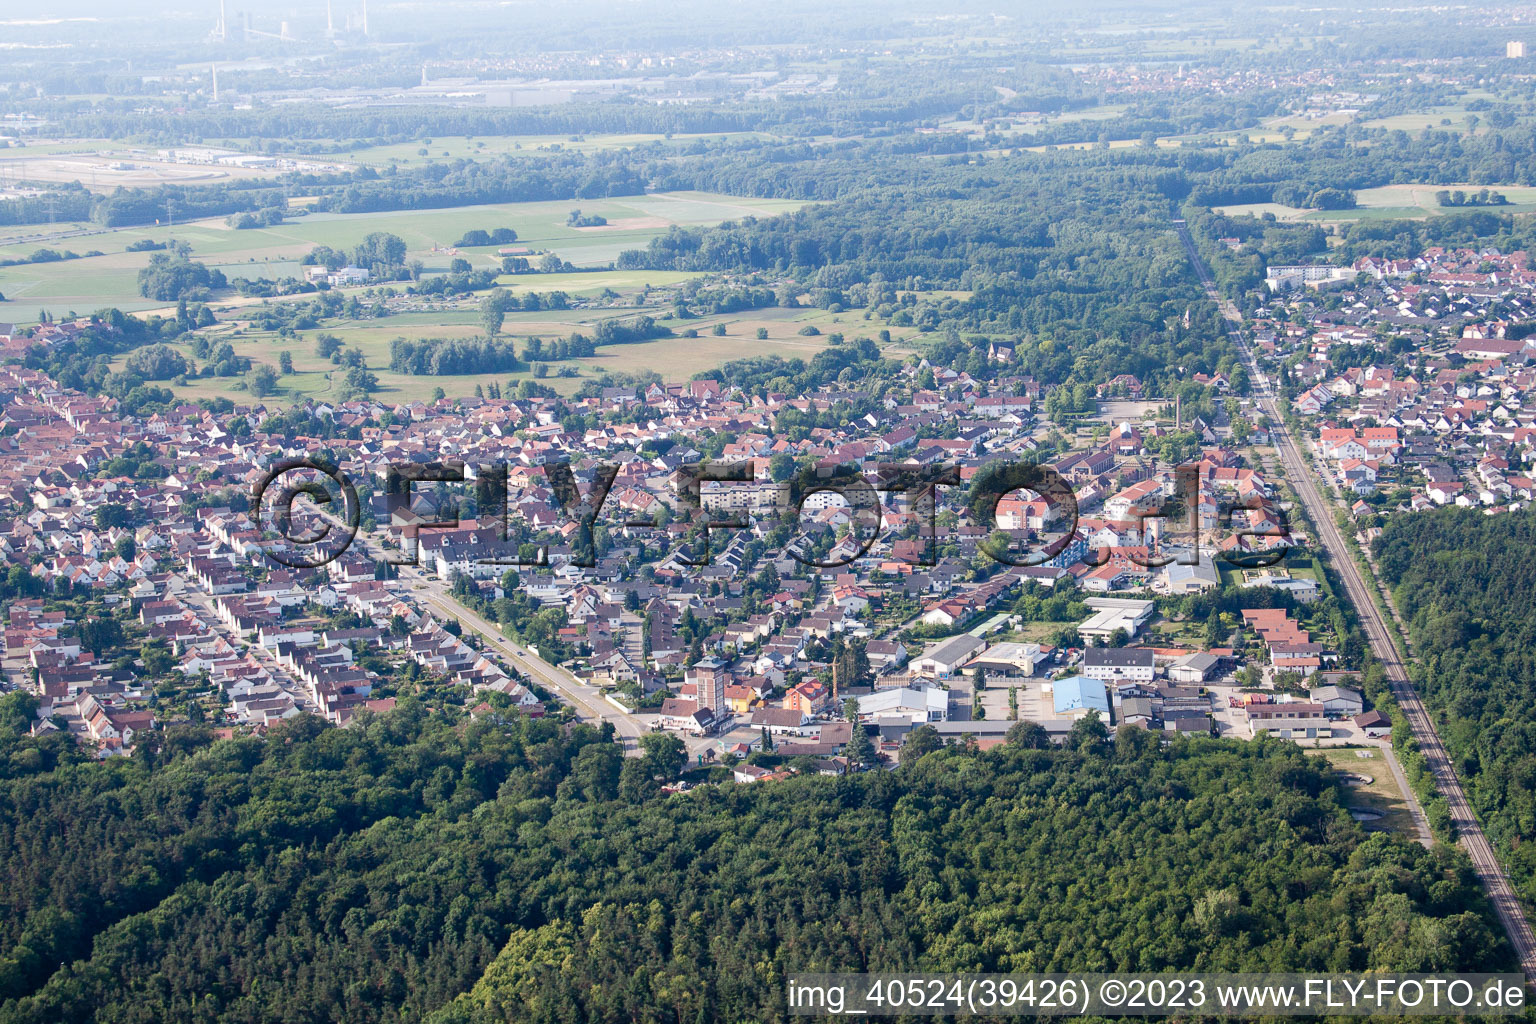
(111, 279)
(674, 359)
(1394, 202)
(1449, 116)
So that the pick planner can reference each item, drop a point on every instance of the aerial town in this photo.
(661, 512)
(761, 650)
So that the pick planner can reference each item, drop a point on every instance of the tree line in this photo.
(422, 866)
(1466, 585)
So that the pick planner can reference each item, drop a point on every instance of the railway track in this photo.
(1469, 831)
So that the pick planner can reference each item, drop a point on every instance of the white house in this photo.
(1120, 664)
(945, 657)
(1338, 700)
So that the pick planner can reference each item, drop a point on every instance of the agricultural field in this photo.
(1167, 45)
(1453, 116)
(1026, 125)
(1421, 198)
(56, 147)
(111, 279)
(1394, 202)
(675, 358)
(1025, 128)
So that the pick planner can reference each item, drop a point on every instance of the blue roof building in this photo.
(1079, 694)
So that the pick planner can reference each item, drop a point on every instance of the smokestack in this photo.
(330, 24)
(365, 17)
(223, 23)
(215, 69)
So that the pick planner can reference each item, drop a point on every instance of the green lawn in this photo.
(1417, 121)
(111, 279)
(1029, 632)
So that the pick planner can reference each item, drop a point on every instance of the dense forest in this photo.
(420, 866)
(877, 102)
(1466, 584)
(1321, 170)
(1080, 267)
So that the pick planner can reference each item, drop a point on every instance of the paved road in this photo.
(1470, 831)
(1414, 807)
(202, 605)
(587, 700)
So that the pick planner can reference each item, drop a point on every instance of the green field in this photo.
(56, 147)
(1457, 115)
(676, 358)
(110, 279)
(1394, 202)
(1421, 198)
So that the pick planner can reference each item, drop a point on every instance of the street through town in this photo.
(1469, 831)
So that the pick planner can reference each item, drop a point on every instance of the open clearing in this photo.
(110, 279)
(1381, 795)
(108, 173)
(1454, 117)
